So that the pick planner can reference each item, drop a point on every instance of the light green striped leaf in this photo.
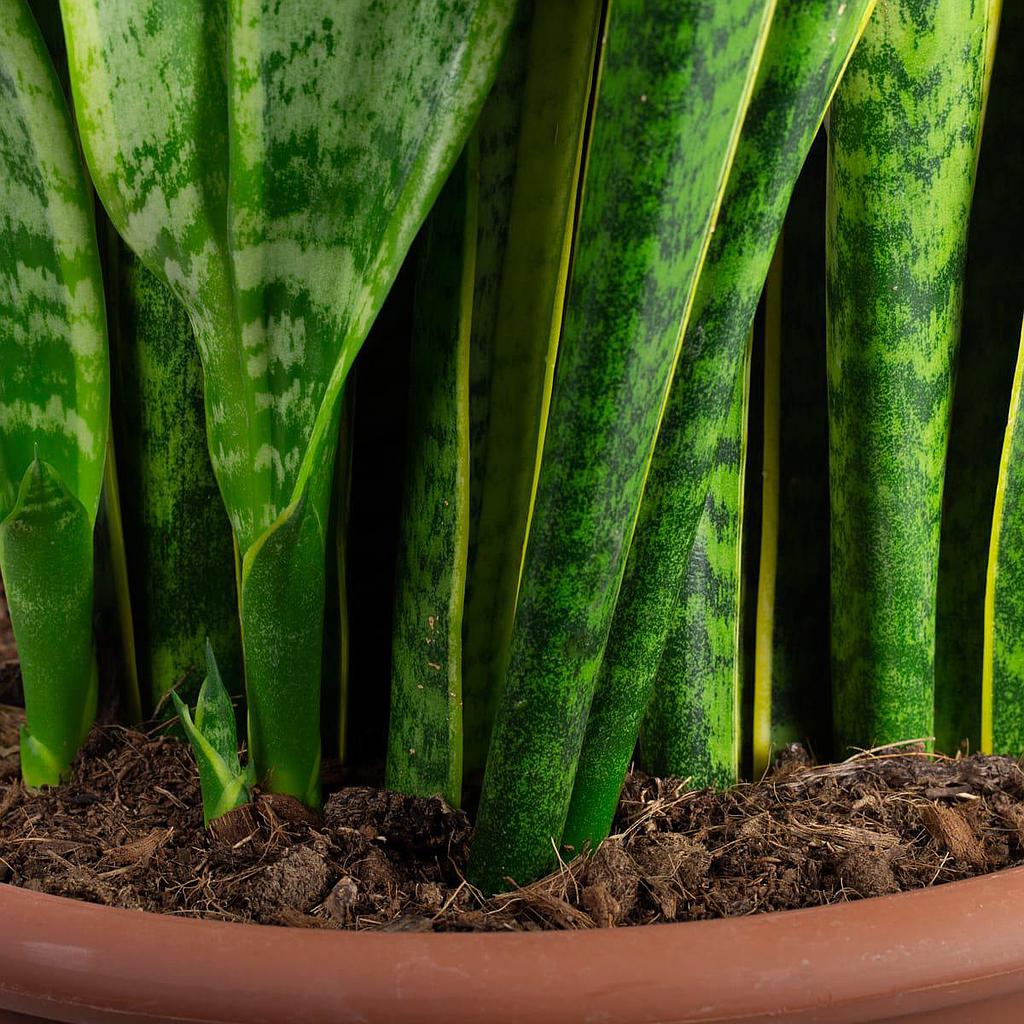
(46, 554)
(214, 740)
(54, 393)
(54, 377)
(277, 195)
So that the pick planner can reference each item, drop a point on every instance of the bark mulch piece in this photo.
(127, 831)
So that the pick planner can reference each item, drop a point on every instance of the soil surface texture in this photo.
(128, 831)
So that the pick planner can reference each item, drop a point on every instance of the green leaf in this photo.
(277, 196)
(282, 273)
(993, 288)
(180, 553)
(224, 784)
(47, 16)
(808, 45)
(46, 556)
(215, 717)
(1002, 694)
(903, 141)
(518, 340)
(673, 73)
(425, 728)
(54, 397)
(282, 608)
(312, 274)
(704, 644)
(112, 597)
(497, 132)
(54, 382)
(792, 701)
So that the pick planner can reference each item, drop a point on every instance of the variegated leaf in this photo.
(54, 393)
(277, 193)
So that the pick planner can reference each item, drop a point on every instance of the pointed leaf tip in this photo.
(223, 782)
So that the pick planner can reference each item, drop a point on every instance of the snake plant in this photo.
(640, 244)
(225, 784)
(178, 547)
(567, 211)
(425, 737)
(54, 391)
(276, 191)
(993, 285)
(904, 134)
(808, 45)
(517, 320)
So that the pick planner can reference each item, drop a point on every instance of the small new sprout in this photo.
(214, 740)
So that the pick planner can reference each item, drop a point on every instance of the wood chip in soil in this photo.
(127, 831)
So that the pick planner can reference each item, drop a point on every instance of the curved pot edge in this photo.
(932, 951)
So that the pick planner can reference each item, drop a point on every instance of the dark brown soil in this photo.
(127, 831)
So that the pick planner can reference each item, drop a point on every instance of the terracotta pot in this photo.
(952, 953)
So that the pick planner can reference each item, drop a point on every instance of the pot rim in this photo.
(875, 959)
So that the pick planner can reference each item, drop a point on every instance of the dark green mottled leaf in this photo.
(672, 73)
(809, 44)
(701, 667)
(994, 287)
(180, 553)
(425, 731)
(517, 340)
(903, 142)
